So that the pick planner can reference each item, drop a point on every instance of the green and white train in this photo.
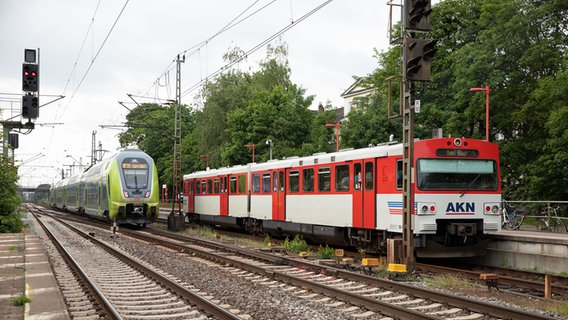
(122, 189)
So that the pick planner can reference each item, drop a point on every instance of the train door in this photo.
(278, 195)
(190, 191)
(364, 195)
(224, 196)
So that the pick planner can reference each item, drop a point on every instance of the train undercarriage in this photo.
(453, 238)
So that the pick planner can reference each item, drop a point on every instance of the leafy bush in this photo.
(297, 245)
(21, 300)
(326, 253)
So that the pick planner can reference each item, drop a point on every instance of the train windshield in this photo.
(135, 172)
(457, 174)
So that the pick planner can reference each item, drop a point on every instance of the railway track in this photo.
(376, 295)
(356, 295)
(122, 287)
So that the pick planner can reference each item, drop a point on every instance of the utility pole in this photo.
(177, 222)
(416, 56)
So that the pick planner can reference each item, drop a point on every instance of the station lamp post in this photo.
(206, 157)
(251, 145)
(487, 89)
(336, 125)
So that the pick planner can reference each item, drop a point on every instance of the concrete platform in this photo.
(25, 270)
(528, 250)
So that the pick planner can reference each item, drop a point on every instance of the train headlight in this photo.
(148, 193)
(125, 194)
(426, 208)
(491, 208)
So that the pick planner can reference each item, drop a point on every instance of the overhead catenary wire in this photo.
(195, 49)
(255, 48)
(96, 55)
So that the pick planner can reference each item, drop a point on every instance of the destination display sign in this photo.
(457, 153)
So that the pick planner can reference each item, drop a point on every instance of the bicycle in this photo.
(513, 216)
(551, 220)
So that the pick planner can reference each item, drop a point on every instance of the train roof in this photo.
(393, 148)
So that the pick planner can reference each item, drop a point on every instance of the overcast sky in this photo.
(325, 51)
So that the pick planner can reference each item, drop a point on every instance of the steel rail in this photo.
(474, 305)
(100, 298)
(190, 296)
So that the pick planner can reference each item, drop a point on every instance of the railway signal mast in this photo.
(30, 100)
(416, 61)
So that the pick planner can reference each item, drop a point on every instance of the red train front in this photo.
(354, 197)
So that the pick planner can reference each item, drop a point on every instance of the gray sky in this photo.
(325, 51)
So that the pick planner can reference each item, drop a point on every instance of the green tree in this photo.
(11, 220)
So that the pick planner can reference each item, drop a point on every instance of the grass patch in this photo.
(449, 281)
(21, 300)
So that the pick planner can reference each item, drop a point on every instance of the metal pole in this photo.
(487, 89)
(408, 159)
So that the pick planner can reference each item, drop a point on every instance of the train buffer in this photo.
(491, 280)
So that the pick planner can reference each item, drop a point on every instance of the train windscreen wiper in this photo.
(470, 185)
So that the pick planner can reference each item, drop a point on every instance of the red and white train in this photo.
(354, 197)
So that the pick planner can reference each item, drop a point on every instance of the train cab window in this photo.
(294, 181)
(135, 172)
(308, 180)
(368, 176)
(209, 186)
(357, 182)
(216, 186)
(256, 183)
(233, 185)
(324, 179)
(342, 178)
(399, 174)
(242, 184)
(266, 182)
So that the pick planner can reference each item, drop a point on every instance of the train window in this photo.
(308, 180)
(203, 186)
(266, 182)
(256, 182)
(190, 187)
(135, 172)
(294, 181)
(275, 181)
(216, 186)
(209, 186)
(233, 184)
(242, 183)
(281, 182)
(225, 184)
(457, 174)
(324, 179)
(197, 187)
(368, 176)
(357, 176)
(399, 174)
(342, 177)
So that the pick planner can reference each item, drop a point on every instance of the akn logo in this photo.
(460, 208)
